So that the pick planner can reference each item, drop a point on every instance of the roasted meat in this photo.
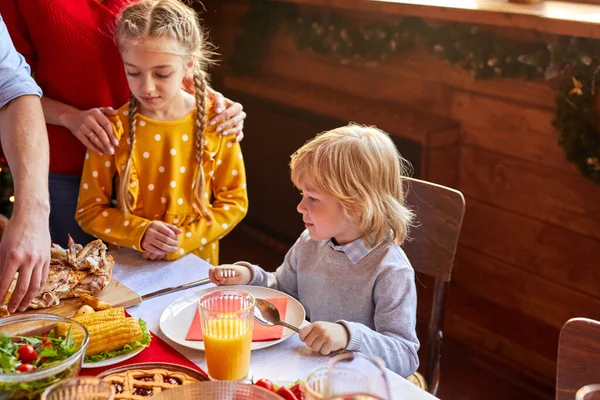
(73, 271)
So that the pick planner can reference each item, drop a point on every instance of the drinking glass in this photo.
(356, 376)
(227, 318)
(348, 376)
(82, 388)
(314, 384)
(589, 392)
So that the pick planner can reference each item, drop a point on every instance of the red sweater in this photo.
(70, 47)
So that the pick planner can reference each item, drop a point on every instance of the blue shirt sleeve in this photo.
(15, 74)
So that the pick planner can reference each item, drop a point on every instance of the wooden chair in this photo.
(431, 248)
(578, 357)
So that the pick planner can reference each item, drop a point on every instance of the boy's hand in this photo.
(324, 337)
(230, 274)
(161, 237)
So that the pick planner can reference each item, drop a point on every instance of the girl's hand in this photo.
(230, 115)
(148, 255)
(324, 337)
(161, 237)
(241, 275)
(93, 129)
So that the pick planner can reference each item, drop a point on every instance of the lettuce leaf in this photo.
(128, 348)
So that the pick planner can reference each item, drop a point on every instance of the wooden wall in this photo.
(530, 248)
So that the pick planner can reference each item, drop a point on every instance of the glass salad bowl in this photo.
(34, 356)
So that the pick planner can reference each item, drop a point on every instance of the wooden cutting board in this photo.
(116, 294)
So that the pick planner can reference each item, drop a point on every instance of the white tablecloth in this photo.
(286, 361)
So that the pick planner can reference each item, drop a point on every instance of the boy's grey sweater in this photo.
(375, 299)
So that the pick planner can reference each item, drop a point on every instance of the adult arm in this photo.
(25, 245)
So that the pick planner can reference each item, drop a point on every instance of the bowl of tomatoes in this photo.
(34, 355)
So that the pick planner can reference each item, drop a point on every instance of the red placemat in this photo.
(158, 351)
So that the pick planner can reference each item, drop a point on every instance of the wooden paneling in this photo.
(564, 198)
(514, 288)
(510, 128)
(545, 250)
(438, 136)
(477, 324)
(416, 78)
(306, 67)
(407, 123)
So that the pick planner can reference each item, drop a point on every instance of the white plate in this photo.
(175, 321)
(114, 360)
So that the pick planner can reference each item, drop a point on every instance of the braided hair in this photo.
(172, 19)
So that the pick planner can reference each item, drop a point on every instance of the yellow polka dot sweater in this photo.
(160, 186)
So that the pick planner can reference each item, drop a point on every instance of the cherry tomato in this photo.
(265, 383)
(286, 394)
(27, 353)
(46, 343)
(26, 368)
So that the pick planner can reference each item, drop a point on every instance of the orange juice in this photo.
(227, 345)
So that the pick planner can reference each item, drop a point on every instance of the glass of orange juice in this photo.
(227, 317)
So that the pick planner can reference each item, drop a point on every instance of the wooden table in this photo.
(286, 361)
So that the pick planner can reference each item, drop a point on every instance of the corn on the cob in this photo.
(89, 320)
(101, 316)
(113, 335)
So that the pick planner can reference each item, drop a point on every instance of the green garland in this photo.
(574, 61)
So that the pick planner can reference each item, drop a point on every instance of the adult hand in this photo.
(25, 248)
(241, 275)
(93, 129)
(230, 115)
(161, 237)
(324, 337)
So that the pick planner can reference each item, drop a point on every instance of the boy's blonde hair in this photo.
(171, 19)
(361, 167)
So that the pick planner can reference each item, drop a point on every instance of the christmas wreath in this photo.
(572, 62)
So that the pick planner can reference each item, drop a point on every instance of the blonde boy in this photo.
(347, 268)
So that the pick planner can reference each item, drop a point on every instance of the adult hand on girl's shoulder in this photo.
(161, 237)
(325, 337)
(230, 274)
(93, 129)
(230, 115)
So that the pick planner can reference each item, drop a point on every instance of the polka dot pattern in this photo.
(163, 168)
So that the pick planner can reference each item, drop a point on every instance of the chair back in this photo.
(431, 249)
(578, 357)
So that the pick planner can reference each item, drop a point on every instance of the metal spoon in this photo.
(267, 314)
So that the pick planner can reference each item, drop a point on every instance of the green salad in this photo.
(128, 348)
(24, 354)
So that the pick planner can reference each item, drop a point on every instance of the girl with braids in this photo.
(74, 58)
(181, 185)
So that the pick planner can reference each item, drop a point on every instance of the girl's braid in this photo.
(199, 185)
(126, 205)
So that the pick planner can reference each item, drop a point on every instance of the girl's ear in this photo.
(190, 65)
